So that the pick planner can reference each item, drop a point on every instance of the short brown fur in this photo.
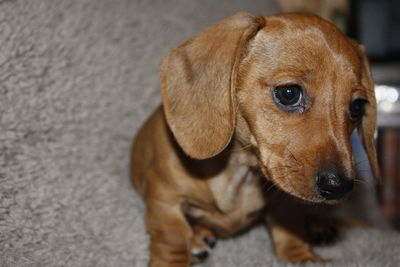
(219, 151)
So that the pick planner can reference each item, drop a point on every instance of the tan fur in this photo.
(219, 151)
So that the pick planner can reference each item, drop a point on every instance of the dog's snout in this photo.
(332, 185)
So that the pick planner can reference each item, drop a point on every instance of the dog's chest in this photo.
(238, 193)
(237, 200)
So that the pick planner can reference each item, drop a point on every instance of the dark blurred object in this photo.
(387, 79)
(376, 24)
(389, 188)
(388, 98)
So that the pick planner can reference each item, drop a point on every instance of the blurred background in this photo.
(376, 25)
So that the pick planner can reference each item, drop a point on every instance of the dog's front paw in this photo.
(299, 253)
(203, 240)
(198, 256)
(321, 231)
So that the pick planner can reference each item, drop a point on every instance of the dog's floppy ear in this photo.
(198, 80)
(367, 127)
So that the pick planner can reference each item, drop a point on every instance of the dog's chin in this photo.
(313, 198)
(319, 200)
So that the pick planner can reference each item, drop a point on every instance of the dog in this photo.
(255, 121)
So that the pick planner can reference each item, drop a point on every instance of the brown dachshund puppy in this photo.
(257, 112)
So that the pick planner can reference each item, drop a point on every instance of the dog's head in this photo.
(291, 85)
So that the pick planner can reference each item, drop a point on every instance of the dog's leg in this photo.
(289, 246)
(286, 224)
(170, 235)
(202, 238)
(322, 229)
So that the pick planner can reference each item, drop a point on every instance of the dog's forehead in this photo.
(301, 41)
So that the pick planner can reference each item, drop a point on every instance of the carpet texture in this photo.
(77, 79)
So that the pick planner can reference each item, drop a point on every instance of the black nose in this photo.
(332, 185)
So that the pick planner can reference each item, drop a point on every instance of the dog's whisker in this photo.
(270, 187)
(281, 167)
(317, 157)
(292, 155)
(297, 161)
(241, 148)
(359, 181)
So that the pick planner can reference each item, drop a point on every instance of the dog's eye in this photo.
(288, 95)
(357, 109)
